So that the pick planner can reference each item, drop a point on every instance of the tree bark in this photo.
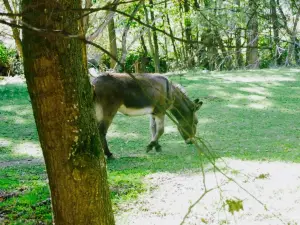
(144, 45)
(112, 42)
(188, 33)
(86, 19)
(62, 101)
(155, 39)
(252, 37)
(171, 32)
(125, 33)
(238, 42)
(293, 48)
(275, 27)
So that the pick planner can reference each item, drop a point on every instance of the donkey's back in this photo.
(147, 94)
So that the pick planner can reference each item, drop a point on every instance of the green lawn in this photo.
(246, 114)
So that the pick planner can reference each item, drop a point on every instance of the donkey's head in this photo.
(188, 125)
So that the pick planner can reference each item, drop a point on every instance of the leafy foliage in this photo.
(234, 205)
(9, 61)
(4, 54)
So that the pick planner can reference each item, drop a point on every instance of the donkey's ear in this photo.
(198, 104)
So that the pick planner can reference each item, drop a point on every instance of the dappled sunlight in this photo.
(255, 101)
(214, 87)
(260, 105)
(220, 93)
(28, 148)
(205, 120)
(234, 106)
(170, 129)
(4, 142)
(254, 78)
(256, 90)
(294, 70)
(19, 120)
(123, 135)
(256, 97)
(14, 108)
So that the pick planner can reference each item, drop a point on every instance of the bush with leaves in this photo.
(10, 63)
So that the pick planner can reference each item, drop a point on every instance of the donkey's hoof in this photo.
(110, 157)
(149, 148)
(158, 148)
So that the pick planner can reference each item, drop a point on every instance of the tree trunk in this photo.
(171, 32)
(293, 47)
(112, 42)
(15, 31)
(86, 19)
(155, 40)
(238, 42)
(125, 33)
(188, 33)
(275, 26)
(62, 101)
(144, 45)
(182, 50)
(252, 37)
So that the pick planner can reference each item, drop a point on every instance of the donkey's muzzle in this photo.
(189, 141)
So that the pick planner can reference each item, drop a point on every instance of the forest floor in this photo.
(247, 115)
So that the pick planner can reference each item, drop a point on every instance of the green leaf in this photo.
(234, 205)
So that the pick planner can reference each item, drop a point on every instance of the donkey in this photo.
(147, 94)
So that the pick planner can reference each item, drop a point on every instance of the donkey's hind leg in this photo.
(157, 129)
(103, 127)
(104, 122)
(153, 132)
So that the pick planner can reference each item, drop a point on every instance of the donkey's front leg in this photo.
(157, 129)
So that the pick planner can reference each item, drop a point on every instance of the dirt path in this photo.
(34, 161)
(275, 184)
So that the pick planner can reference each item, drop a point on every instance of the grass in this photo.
(249, 115)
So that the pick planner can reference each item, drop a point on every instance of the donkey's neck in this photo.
(181, 107)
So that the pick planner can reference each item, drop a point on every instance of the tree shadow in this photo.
(17, 124)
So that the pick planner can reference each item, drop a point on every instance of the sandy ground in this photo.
(275, 184)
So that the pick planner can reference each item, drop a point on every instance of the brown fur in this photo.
(147, 91)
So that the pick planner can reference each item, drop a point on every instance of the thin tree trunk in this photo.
(275, 26)
(188, 33)
(165, 40)
(125, 32)
(112, 42)
(62, 102)
(144, 60)
(155, 40)
(15, 31)
(171, 32)
(252, 37)
(182, 49)
(238, 42)
(144, 45)
(293, 46)
(88, 4)
(149, 35)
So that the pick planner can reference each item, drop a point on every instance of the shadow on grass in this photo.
(17, 123)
